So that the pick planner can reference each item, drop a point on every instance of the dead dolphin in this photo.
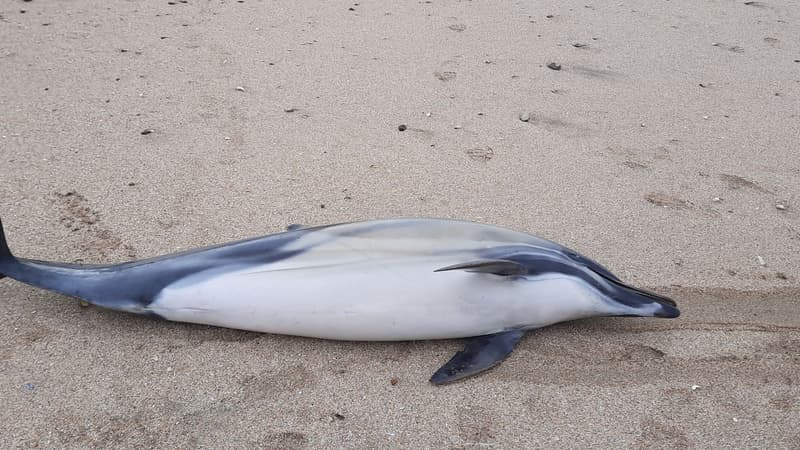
(384, 280)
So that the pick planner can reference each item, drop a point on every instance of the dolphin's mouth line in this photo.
(652, 295)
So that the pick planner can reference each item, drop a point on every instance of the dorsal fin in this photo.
(502, 267)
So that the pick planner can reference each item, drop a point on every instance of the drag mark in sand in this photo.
(665, 200)
(737, 182)
(78, 216)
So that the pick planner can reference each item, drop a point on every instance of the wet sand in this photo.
(665, 147)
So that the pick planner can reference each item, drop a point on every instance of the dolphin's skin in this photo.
(384, 280)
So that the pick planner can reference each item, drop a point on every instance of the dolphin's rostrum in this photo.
(385, 280)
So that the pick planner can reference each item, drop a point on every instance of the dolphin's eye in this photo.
(575, 256)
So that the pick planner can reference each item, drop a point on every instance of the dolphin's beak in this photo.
(633, 296)
(652, 295)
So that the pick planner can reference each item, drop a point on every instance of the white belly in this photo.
(368, 300)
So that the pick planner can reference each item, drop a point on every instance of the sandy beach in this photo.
(659, 138)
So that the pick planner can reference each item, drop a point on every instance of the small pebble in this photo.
(524, 117)
(717, 199)
(695, 387)
(579, 45)
(781, 206)
(338, 416)
(147, 131)
(289, 109)
(554, 66)
(457, 127)
(29, 386)
(394, 381)
(761, 261)
(240, 88)
(402, 128)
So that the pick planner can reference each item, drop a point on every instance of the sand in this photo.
(666, 147)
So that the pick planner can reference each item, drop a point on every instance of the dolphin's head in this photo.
(610, 285)
(622, 298)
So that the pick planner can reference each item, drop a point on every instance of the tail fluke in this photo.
(5, 253)
(69, 279)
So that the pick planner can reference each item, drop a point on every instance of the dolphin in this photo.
(382, 280)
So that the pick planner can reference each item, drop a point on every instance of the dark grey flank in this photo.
(133, 286)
